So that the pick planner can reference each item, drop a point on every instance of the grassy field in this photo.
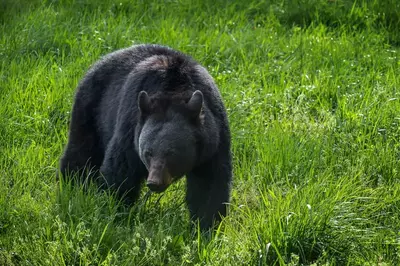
(312, 93)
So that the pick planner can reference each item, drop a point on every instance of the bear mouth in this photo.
(161, 187)
(157, 188)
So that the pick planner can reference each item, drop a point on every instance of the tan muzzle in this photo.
(159, 178)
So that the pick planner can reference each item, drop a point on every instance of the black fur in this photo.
(106, 125)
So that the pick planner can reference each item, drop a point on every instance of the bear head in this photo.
(167, 138)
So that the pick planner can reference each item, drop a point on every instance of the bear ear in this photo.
(144, 102)
(195, 103)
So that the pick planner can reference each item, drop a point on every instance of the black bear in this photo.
(149, 112)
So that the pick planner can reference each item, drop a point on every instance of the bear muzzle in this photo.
(159, 177)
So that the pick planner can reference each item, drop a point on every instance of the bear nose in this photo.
(156, 187)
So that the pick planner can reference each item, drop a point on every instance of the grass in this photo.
(312, 93)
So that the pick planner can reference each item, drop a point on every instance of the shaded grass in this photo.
(312, 96)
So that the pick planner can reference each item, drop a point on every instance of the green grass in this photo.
(312, 93)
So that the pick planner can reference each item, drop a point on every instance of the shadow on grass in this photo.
(333, 13)
(10, 9)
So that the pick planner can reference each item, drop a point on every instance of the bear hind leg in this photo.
(83, 154)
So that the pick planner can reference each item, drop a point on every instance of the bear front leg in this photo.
(208, 190)
(122, 169)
